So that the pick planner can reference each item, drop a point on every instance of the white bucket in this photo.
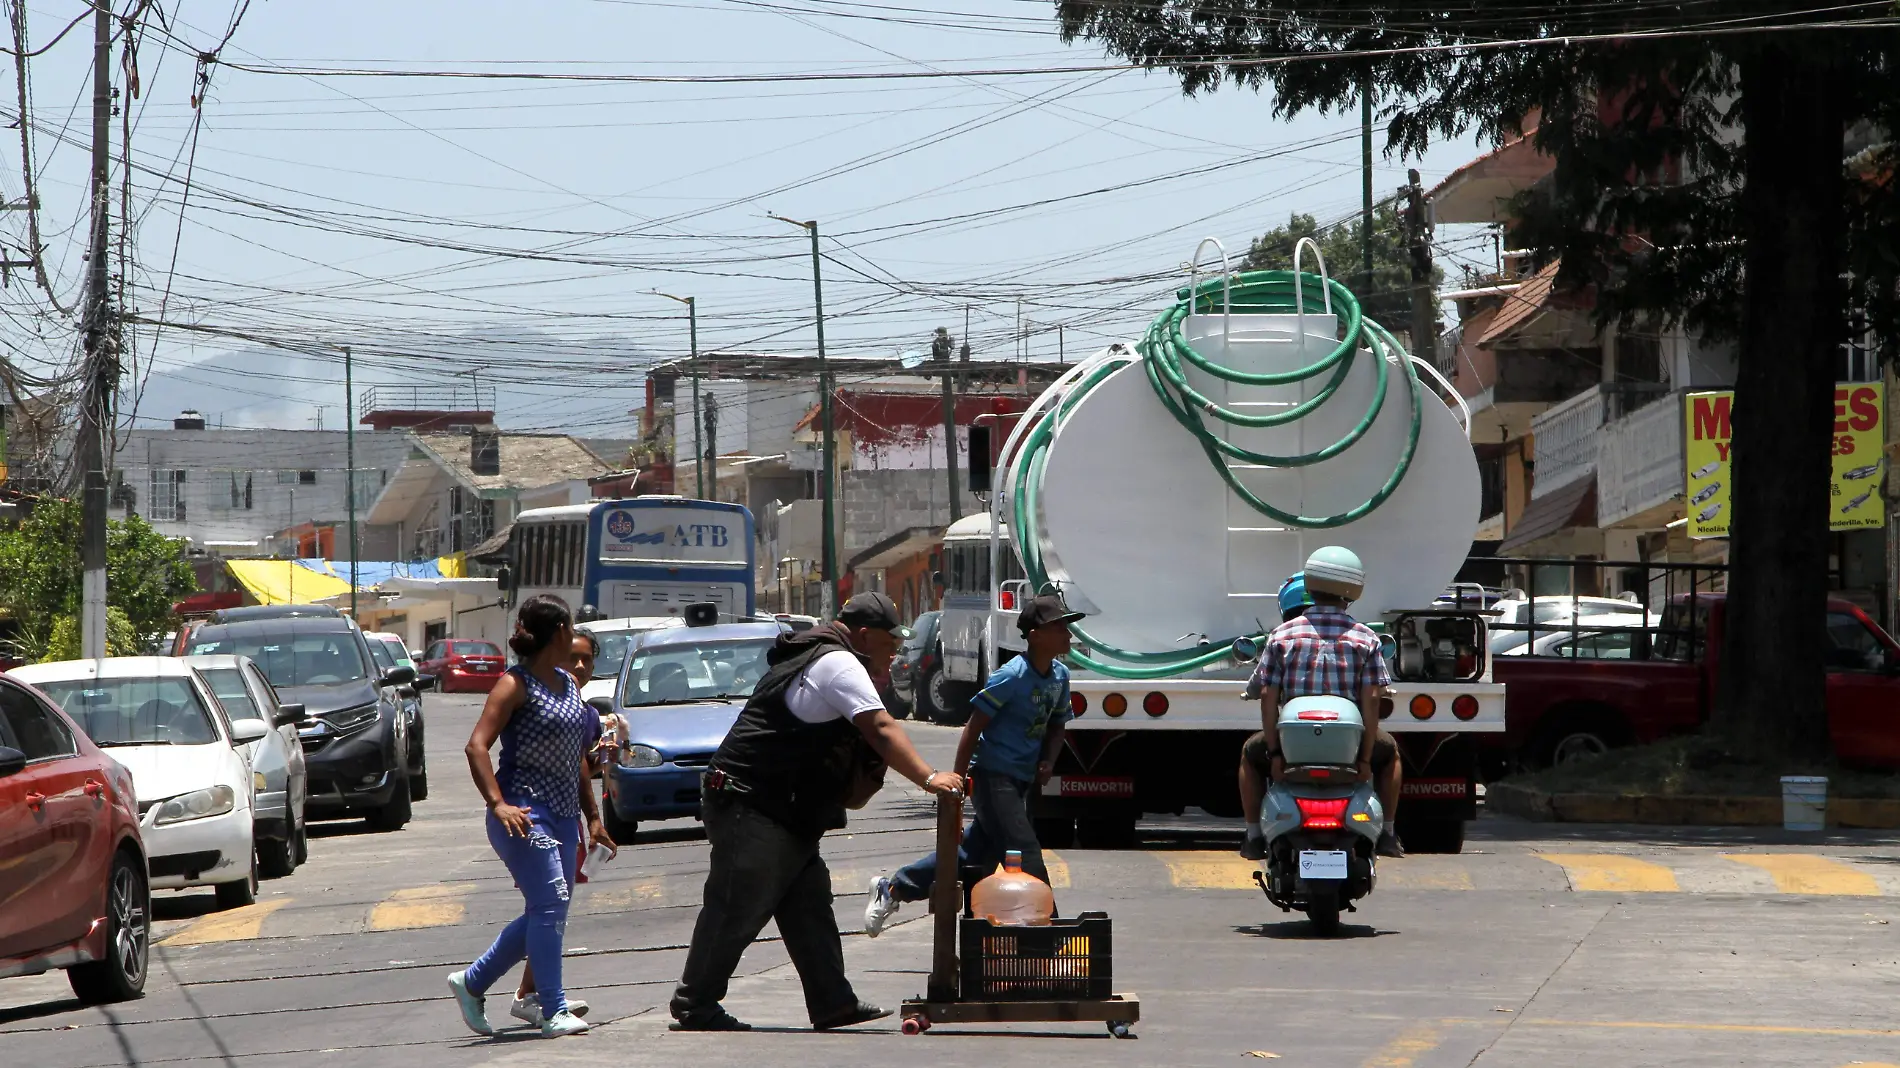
(1804, 802)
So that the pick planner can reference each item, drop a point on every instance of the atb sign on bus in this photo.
(1854, 498)
(669, 536)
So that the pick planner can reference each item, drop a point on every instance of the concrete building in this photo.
(236, 490)
(453, 491)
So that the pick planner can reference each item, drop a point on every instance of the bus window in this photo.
(577, 556)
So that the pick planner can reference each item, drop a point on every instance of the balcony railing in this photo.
(1639, 461)
(1566, 434)
(446, 397)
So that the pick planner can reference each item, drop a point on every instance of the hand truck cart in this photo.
(981, 973)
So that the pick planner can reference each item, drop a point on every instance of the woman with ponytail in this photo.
(536, 798)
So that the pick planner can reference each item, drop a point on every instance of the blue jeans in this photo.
(543, 866)
(999, 822)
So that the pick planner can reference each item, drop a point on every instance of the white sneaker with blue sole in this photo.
(473, 1014)
(563, 1023)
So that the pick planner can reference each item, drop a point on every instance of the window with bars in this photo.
(166, 501)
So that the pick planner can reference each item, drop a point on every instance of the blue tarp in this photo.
(373, 573)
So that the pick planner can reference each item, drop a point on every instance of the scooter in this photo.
(1321, 824)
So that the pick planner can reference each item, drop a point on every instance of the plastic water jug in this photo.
(1011, 897)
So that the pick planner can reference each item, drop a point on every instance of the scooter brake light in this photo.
(1325, 714)
(1321, 813)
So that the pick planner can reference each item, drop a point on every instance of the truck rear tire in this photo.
(1055, 833)
(1105, 832)
(1432, 835)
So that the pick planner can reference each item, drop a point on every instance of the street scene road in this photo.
(1587, 945)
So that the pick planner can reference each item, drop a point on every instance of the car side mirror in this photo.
(12, 761)
(423, 682)
(246, 731)
(505, 578)
(400, 676)
(288, 714)
(602, 705)
(936, 578)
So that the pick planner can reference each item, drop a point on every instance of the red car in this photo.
(462, 665)
(73, 886)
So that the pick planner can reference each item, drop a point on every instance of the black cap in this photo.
(872, 610)
(1043, 610)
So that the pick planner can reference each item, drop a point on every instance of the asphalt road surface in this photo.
(1538, 946)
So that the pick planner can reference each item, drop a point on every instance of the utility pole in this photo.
(349, 462)
(830, 573)
(1365, 183)
(102, 357)
(710, 458)
(941, 350)
(692, 332)
(1418, 227)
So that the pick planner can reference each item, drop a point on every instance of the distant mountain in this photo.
(540, 382)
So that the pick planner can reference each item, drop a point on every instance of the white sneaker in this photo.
(563, 1023)
(473, 1014)
(882, 906)
(528, 1009)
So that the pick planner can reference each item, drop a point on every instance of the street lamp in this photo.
(824, 414)
(692, 329)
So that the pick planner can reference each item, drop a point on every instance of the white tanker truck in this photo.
(1169, 488)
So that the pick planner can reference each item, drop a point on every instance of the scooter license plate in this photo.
(1322, 864)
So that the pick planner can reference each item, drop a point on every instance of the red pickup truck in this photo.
(1606, 688)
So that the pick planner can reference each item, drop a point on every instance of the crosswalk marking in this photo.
(1423, 873)
(421, 906)
(229, 926)
(1806, 873)
(1404, 1051)
(1611, 871)
(1058, 870)
(1209, 869)
(621, 898)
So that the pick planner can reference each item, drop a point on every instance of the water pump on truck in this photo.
(1168, 491)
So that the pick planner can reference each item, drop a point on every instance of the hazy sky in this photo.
(380, 212)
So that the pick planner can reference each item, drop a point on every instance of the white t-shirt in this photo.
(835, 686)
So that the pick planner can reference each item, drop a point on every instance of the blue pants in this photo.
(543, 866)
(999, 822)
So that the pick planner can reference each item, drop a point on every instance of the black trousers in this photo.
(762, 871)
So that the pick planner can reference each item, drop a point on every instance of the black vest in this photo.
(795, 772)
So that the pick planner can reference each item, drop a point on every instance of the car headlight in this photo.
(641, 756)
(196, 805)
(348, 719)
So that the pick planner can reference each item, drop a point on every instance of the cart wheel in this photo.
(915, 1025)
(1119, 1028)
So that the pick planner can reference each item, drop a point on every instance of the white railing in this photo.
(1565, 441)
(1639, 460)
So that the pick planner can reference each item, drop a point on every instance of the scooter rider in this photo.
(1322, 651)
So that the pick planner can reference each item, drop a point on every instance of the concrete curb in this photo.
(1530, 803)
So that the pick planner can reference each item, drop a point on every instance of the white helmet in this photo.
(1336, 570)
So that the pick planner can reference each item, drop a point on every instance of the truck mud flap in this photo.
(1440, 775)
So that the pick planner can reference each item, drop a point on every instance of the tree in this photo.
(1387, 297)
(1699, 182)
(41, 584)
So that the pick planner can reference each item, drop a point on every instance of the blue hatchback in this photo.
(679, 691)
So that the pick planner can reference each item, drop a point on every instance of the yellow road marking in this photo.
(1403, 1050)
(421, 906)
(622, 897)
(1746, 1029)
(232, 925)
(1058, 870)
(1805, 873)
(1610, 871)
(1410, 874)
(1209, 869)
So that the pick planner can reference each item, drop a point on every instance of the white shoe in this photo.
(528, 1009)
(563, 1023)
(882, 906)
(473, 1014)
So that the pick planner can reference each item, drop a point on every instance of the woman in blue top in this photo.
(535, 800)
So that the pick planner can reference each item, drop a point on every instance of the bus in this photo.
(645, 556)
(967, 656)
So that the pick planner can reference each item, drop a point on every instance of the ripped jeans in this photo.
(543, 867)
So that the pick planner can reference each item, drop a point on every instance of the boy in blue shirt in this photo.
(1011, 740)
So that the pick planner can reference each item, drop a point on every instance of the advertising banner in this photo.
(1854, 501)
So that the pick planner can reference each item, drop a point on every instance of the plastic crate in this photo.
(1069, 960)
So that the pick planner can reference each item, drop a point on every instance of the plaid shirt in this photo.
(1322, 653)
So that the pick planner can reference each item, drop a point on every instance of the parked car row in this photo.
(124, 775)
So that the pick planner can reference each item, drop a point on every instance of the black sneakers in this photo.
(716, 1020)
(863, 1013)
(1389, 845)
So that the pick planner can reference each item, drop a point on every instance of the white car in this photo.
(1599, 637)
(277, 764)
(614, 636)
(1512, 627)
(156, 716)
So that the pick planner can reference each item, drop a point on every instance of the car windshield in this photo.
(613, 651)
(473, 649)
(694, 671)
(228, 684)
(920, 631)
(147, 711)
(396, 651)
(381, 654)
(290, 657)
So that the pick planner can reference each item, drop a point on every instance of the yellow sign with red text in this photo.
(1854, 501)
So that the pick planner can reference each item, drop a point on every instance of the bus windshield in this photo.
(683, 672)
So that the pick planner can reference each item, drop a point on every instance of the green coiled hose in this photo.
(1164, 350)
